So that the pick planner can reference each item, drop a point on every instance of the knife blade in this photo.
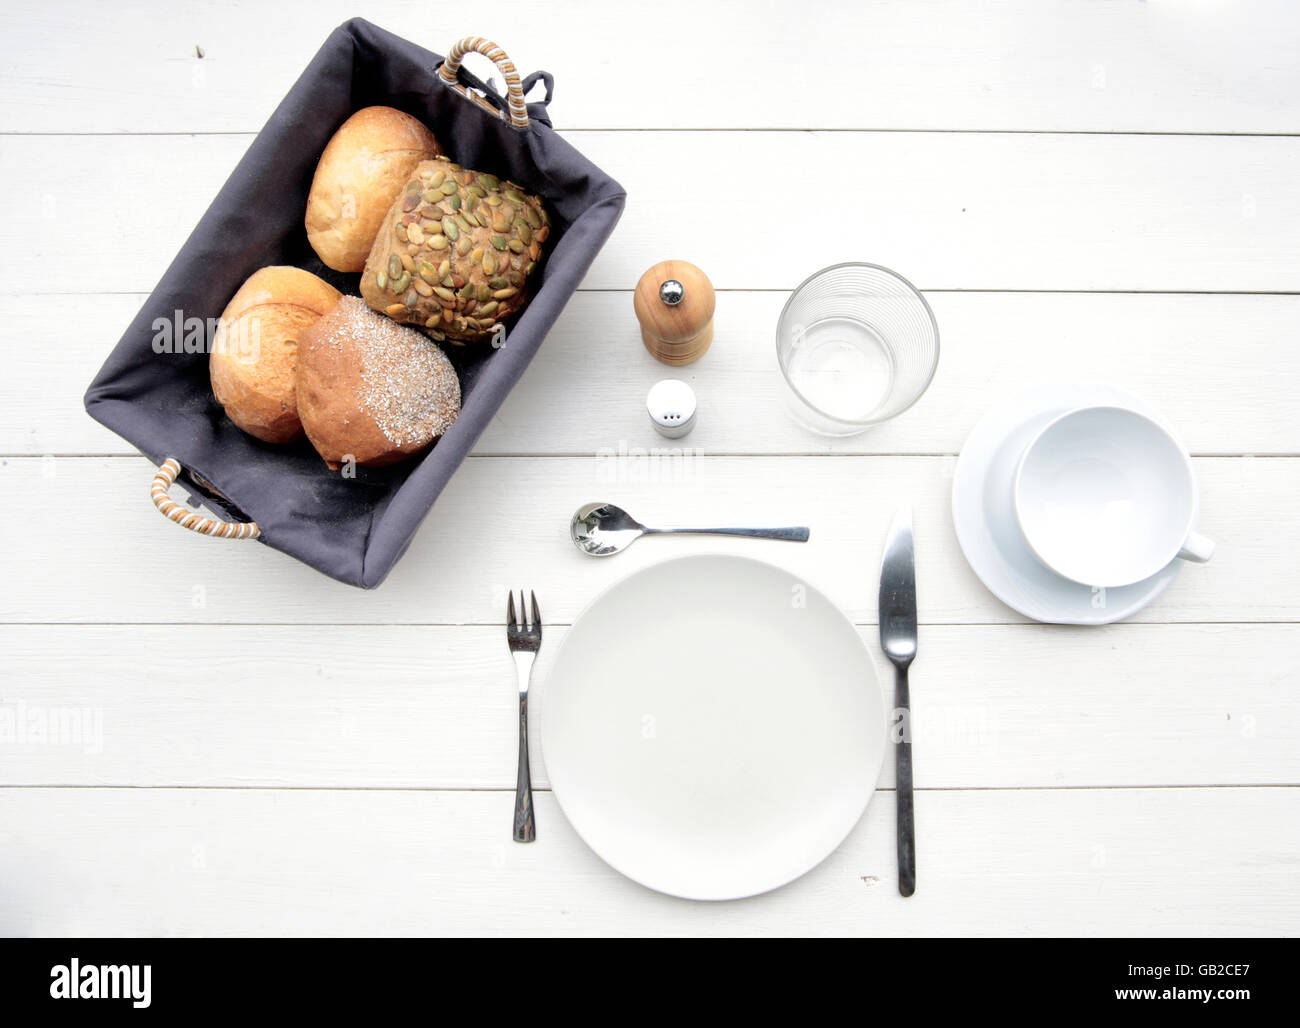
(897, 609)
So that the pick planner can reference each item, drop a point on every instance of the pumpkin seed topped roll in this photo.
(454, 255)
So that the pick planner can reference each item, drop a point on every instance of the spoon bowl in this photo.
(602, 530)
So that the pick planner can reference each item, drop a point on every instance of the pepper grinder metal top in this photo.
(674, 302)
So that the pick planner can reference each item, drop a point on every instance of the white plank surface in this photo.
(156, 572)
(1022, 65)
(1084, 190)
(947, 210)
(424, 707)
(1224, 369)
(1018, 862)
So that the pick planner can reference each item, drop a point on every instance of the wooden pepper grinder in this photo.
(674, 302)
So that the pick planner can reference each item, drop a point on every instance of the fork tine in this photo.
(510, 611)
(537, 616)
(523, 612)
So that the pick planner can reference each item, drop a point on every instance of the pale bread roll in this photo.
(254, 363)
(360, 174)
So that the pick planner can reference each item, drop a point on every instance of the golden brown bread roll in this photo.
(370, 390)
(360, 174)
(455, 252)
(254, 361)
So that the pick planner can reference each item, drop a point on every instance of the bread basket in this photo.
(351, 528)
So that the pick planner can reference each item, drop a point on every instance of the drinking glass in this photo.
(857, 345)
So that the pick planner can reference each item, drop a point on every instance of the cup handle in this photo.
(1197, 549)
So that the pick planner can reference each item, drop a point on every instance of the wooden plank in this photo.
(970, 211)
(1008, 706)
(1022, 65)
(948, 211)
(1221, 368)
(261, 862)
(121, 562)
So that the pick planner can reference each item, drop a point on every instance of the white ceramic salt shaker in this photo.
(671, 405)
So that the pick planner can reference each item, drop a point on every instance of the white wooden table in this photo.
(1100, 190)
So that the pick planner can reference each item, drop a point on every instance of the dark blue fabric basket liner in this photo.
(352, 529)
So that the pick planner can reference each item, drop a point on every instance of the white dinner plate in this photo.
(713, 726)
(983, 511)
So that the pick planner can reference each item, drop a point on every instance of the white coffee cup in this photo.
(1107, 497)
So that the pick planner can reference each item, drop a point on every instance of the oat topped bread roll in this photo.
(454, 254)
(254, 362)
(360, 174)
(370, 390)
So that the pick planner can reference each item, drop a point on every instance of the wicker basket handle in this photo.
(514, 87)
(185, 517)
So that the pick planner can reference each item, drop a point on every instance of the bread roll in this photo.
(371, 391)
(454, 254)
(254, 361)
(360, 174)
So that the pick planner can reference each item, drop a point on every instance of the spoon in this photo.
(601, 530)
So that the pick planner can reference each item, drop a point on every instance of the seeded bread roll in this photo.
(360, 174)
(254, 362)
(454, 254)
(370, 390)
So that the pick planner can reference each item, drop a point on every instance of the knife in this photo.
(898, 640)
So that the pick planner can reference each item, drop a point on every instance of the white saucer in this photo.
(983, 511)
(713, 727)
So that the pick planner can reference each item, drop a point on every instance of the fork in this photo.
(525, 640)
